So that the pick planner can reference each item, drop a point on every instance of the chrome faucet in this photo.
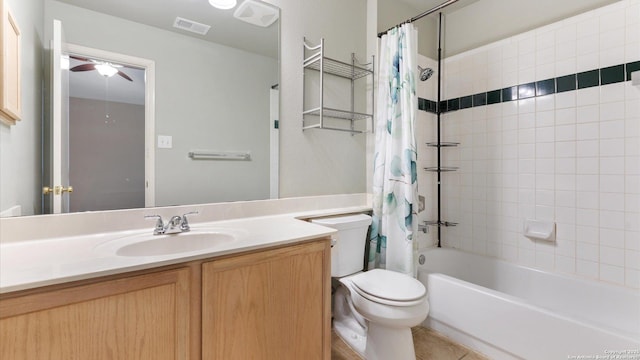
(173, 225)
(176, 224)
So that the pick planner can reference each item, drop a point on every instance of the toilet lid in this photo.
(389, 285)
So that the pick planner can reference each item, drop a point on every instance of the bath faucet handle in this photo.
(159, 229)
(184, 226)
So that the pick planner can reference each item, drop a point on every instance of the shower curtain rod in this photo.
(430, 11)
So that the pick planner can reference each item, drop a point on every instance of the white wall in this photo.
(571, 157)
(318, 161)
(493, 20)
(20, 144)
(197, 83)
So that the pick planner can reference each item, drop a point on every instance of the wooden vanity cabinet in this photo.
(274, 304)
(139, 317)
(267, 304)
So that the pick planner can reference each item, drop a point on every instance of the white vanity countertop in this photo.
(32, 264)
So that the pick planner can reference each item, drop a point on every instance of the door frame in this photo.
(274, 142)
(149, 106)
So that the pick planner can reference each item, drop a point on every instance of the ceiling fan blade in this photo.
(124, 75)
(79, 58)
(83, 67)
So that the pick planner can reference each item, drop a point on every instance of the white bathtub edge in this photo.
(480, 330)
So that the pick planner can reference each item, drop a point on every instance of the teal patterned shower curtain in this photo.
(395, 185)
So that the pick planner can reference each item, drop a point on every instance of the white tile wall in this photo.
(425, 130)
(572, 157)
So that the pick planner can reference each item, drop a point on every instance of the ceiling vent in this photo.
(257, 13)
(190, 25)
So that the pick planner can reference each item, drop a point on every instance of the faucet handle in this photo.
(159, 229)
(184, 226)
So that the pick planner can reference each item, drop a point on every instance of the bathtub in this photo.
(506, 311)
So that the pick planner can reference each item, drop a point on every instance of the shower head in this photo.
(425, 74)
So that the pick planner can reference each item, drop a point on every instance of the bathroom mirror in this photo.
(214, 93)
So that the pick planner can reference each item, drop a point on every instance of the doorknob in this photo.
(57, 190)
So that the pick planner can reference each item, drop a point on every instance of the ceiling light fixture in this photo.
(223, 4)
(106, 70)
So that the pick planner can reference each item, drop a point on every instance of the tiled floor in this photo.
(429, 346)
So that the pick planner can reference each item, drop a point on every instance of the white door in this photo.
(59, 188)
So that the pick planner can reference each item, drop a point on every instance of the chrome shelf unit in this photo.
(443, 144)
(439, 169)
(317, 61)
(440, 223)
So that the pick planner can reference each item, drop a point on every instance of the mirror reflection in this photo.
(178, 87)
(106, 107)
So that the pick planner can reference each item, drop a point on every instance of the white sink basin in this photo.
(160, 245)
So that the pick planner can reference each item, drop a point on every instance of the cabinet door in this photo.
(273, 304)
(10, 97)
(141, 317)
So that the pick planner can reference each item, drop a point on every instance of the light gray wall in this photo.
(19, 144)
(106, 155)
(393, 12)
(195, 81)
(318, 162)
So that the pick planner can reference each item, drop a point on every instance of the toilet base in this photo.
(347, 323)
(351, 336)
(385, 343)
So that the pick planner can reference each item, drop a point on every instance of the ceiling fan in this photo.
(105, 68)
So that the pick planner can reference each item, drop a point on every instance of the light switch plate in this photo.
(165, 142)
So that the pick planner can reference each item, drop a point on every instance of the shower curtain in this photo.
(395, 187)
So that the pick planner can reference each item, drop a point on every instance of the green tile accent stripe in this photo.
(612, 74)
(632, 67)
(545, 87)
(526, 91)
(510, 94)
(466, 102)
(582, 80)
(566, 83)
(480, 99)
(494, 97)
(588, 79)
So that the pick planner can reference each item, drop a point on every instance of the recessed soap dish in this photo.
(540, 230)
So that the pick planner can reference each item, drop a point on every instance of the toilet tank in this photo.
(347, 254)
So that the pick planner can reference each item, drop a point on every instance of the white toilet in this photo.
(373, 311)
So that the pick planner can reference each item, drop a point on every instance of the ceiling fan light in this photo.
(106, 70)
(223, 4)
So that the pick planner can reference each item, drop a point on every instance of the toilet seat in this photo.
(389, 288)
